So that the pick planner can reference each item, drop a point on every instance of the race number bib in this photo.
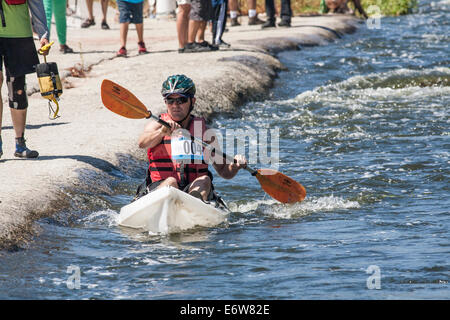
(185, 149)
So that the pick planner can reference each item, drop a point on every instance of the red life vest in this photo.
(161, 164)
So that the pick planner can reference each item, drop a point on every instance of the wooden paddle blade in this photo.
(121, 101)
(280, 187)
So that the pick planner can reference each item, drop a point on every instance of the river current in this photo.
(363, 125)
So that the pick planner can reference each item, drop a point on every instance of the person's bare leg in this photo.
(233, 5)
(140, 32)
(183, 24)
(169, 182)
(123, 34)
(104, 9)
(19, 117)
(193, 29)
(201, 32)
(202, 185)
(90, 7)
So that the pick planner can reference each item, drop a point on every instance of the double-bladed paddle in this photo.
(279, 186)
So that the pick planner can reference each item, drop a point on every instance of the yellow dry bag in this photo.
(49, 83)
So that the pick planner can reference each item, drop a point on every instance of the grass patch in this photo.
(388, 7)
(391, 7)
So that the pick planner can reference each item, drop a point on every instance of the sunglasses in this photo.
(177, 101)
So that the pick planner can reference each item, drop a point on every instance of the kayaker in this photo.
(165, 150)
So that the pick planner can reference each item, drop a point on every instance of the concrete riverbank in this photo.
(89, 138)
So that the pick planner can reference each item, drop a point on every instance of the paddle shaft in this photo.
(204, 144)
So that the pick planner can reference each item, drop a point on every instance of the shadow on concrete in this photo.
(98, 163)
(37, 126)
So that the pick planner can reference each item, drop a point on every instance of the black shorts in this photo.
(201, 10)
(19, 55)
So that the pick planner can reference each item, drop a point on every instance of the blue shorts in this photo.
(130, 12)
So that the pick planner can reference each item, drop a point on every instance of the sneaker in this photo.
(268, 24)
(142, 49)
(195, 47)
(189, 47)
(22, 151)
(180, 50)
(64, 48)
(206, 44)
(223, 44)
(234, 22)
(284, 23)
(122, 52)
(105, 25)
(254, 21)
(87, 23)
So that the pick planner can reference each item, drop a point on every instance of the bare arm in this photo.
(154, 132)
(225, 170)
(229, 170)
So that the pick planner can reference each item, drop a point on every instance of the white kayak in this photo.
(169, 210)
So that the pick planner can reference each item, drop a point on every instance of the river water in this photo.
(364, 126)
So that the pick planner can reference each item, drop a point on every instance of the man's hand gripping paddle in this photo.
(279, 186)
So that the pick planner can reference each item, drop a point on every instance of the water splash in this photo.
(271, 208)
(102, 218)
(391, 81)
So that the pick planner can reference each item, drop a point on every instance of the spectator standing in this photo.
(183, 11)
(58, 9)
(91, 20)
(252, 15)
(199, 16)
(18, 52)
(131, 11)
(219, 22)
(286, 14)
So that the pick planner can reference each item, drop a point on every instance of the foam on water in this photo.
(380, 85)
(278, 210)
(101, 218)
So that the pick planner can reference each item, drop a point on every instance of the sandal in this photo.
(87, 23)
(105, 25)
